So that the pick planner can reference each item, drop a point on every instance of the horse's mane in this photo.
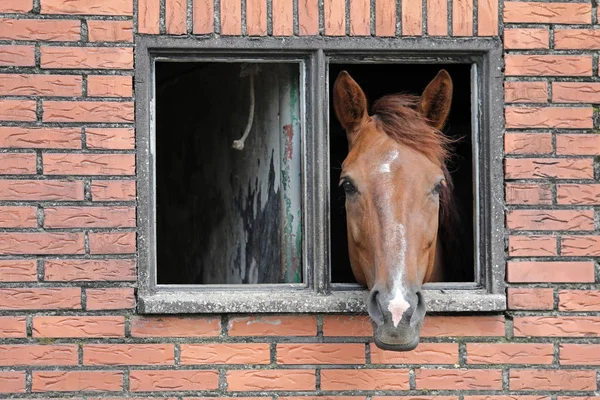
(398, 116)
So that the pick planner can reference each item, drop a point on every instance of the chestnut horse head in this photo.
(398, 192)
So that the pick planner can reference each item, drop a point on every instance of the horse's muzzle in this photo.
(400, 336)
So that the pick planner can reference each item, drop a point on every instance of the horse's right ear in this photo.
(350, 104)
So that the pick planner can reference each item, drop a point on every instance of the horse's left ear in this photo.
(436, 99)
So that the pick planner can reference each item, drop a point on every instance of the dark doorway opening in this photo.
(381, 79)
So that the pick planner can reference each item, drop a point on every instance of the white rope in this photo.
(239, 144)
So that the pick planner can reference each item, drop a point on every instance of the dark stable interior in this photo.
(381, 79)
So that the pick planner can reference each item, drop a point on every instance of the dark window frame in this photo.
(317, 294)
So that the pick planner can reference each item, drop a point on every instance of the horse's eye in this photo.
(348, 186)
(438, 188)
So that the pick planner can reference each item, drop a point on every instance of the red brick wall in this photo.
(68, 203)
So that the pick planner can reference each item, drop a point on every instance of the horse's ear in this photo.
(350, 104)
(436, 99)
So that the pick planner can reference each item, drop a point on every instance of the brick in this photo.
(18, 216)
(175, 327)
(78, 327)
(38, 355)
(458, 379)
(76, 381)
(530, 299)
(40, 299)
(542, 168)
(128, 354)
(110, 31)
(507, 397)
(338, 398)
(561, 326)
(175, 16)
(40, 29)
(203, 12)
(559, 380)
(17, 110)
(487, 16)
(587, 246)
(91, 7)
(579, 300)
(273, 326)
(41, 243)
(225, 353)
(548, 65)
(12, 327)
(110, 190)
(320, 353)
(112, 242)
(580, 39)
(576, 92)
(529, 246)
(385, 18)
(335, 18)
(528, 193)
(526, 92)
(526, 39)
(510, 353)
(231, 17)
(579, 354)
(437, 17)
(17, 163)
(87, 57)
(149, 16)
(308, 17)
(110, 138)
(360, 18)
(462, 17)
(438, 326)
(88, 111)
(550, 271)
(40, 138)
(528, 143)
(109, 86)
(17, 56)
(267, 380)
(283, 17)
(549, 117)
(412, 18)
(89, 164)
(547, 13)
(550, 220)
(581, 144)
(89, 217)
(256, 17)
(364, 379)
(40, 190)
(89, 270)
(580, 194)
(16, 6)
(425, 353)
(18, 271)
(39, 85)
(109, 299)
(12, 382)
(346, 325)
(415, 397)
(171, 380)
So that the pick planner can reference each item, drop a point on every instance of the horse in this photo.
(398, 200)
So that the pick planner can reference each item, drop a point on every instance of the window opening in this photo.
(225, 215)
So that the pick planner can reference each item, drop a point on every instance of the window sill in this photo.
(304, 301)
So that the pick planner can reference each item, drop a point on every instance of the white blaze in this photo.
(398, 305)
(388, 160)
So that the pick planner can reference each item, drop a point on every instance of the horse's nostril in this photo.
(418, 311)
(374, 307)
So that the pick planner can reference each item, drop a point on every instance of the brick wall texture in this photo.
(68, 327)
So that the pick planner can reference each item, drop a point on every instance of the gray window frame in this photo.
(317, 294)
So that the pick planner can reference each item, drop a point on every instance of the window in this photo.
(258, 229)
